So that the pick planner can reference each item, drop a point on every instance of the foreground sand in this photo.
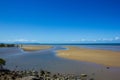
(104, 57)
(35, 48)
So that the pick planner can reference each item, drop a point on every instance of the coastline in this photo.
(103, 57)
(35, 48)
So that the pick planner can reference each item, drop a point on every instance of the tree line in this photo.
(8, 45)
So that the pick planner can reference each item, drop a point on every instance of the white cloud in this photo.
(33, 40)
(117, 38)
(80, 40)
(21, 40)
(73, 40)
(5, 40)
(105, 39)
(83, 40)
(24, 40)
(94, 40)
(8, 40)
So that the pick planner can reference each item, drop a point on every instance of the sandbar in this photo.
(103, 57)
(35, 47)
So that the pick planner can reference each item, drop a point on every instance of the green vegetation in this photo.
(8, 45)
(2, 63)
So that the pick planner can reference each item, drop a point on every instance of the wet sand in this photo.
(35, 48)
(103, 57)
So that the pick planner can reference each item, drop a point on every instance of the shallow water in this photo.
(47, 60)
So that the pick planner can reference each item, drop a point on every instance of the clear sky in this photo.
(60, 20)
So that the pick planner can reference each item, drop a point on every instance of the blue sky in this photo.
(60, 21)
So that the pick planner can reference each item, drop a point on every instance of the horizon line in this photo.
(63, 43)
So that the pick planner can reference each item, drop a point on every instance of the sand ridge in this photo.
(35, 48)
(104, 57)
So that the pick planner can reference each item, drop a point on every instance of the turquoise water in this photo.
(47, 60)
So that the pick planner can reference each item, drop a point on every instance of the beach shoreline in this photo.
(102, 57)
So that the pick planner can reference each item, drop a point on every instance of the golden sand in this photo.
(35, 48)
(104, 57)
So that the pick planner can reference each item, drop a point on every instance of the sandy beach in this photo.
(35, 48)
(103, 57)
